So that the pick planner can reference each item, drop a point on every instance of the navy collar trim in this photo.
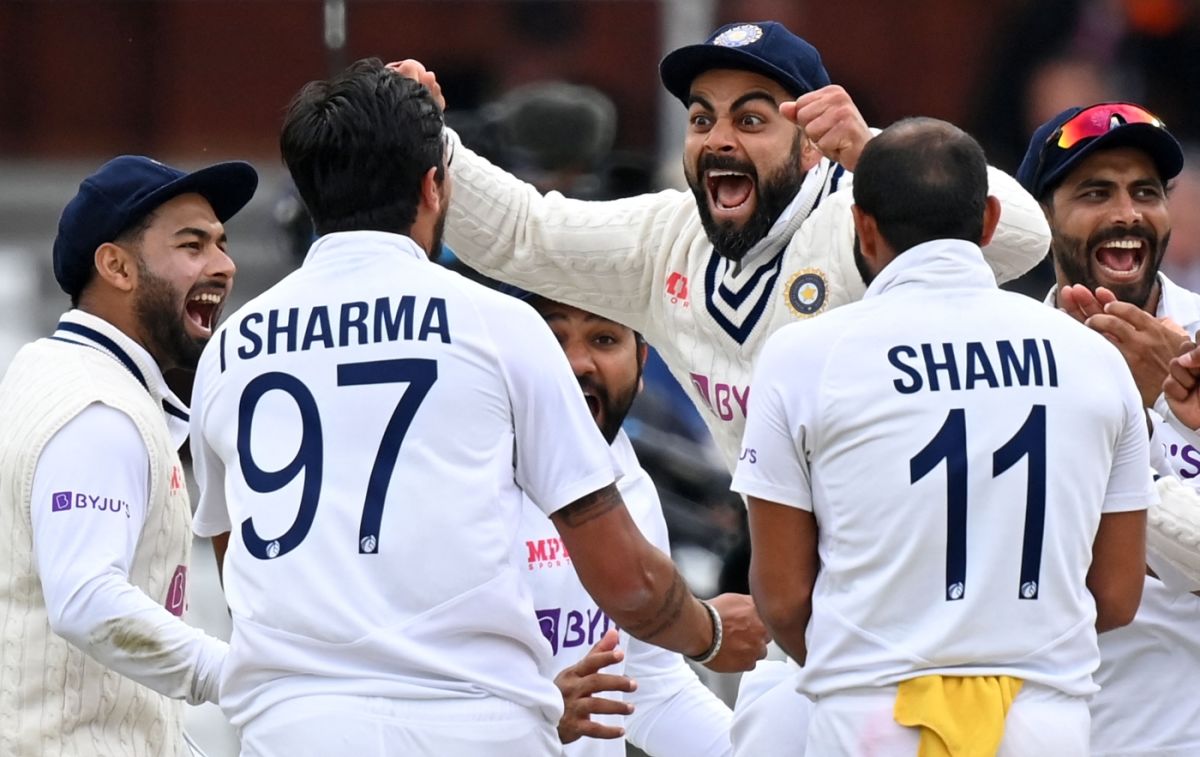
(106, 343)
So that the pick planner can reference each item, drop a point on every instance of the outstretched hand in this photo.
(583, 679)
(832, 122)
(415, 70)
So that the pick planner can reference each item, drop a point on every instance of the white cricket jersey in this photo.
(366, 428)
(1148, 666)
(674, 713)
(928, 428)
(646, 262)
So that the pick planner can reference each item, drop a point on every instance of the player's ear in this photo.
(117, 266)
(433, 195)
(868, 232)
(991, 217)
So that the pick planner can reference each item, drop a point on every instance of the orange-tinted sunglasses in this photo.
(1098, 120)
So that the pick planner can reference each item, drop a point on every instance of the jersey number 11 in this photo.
(950, 444)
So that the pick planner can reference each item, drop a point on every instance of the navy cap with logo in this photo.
(1064, 141)
(122, 191)
(765, 47)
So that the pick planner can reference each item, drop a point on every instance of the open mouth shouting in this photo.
(1121, 260)
(202, 308)
(730, 194)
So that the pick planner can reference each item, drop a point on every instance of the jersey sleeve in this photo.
(212, 512)
(560, 454)
(1022, 236)
(596, 255)
(773, 464)
(1130, 483)
(87, 522)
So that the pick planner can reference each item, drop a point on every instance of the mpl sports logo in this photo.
(579, 627)
(677, 289)
(547, 553)
(68, 500)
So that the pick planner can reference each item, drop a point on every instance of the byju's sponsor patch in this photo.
(66, 500)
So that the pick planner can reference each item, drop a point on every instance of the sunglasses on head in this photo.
(1098, 120)
(1095, 121)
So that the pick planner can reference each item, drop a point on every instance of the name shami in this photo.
(973, 365)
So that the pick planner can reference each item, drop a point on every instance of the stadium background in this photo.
(196, 81)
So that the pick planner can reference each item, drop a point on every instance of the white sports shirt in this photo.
(366, 428)
(1148, 667)
(927, 429)
(646, 262)
(675, 715)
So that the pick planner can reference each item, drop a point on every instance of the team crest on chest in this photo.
(806, 292)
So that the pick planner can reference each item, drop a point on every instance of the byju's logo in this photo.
(63, 501)
(577, 628)
(548, 622)
(177, 592)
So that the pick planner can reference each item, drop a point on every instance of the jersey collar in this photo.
(360, 243)
(939, 264)
(87, 330)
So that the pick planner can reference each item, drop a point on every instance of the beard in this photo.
(774, 194)
(860, 263)
(1073, 256)
(612, 408)
(439, 228)
(160, 312)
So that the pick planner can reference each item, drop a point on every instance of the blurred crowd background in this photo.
(562, 92)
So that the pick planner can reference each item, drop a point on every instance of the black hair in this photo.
(358, 146)
(923, 179)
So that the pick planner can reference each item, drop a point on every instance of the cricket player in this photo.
(763, 238)
(912, 547)
(94, 511)
(1101, 174)
(668, 711)
(364, 431)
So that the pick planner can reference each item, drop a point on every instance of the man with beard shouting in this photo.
(667, 710)
(94, 512)
(1100, 174)
(764, 238)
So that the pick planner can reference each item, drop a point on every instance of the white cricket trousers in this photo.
(1042, 722)
(353, 726)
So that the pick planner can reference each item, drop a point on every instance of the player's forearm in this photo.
(570, 250)
(786, 619)
(119, 626)
(657, 607)
(1022, 237)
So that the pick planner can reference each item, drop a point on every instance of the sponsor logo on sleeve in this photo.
(67, 500)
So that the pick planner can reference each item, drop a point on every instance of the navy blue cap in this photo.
(765, 47)
(1045, 163)
(122, 191)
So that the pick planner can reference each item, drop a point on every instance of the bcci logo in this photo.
(739, 36)
(806, 293)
